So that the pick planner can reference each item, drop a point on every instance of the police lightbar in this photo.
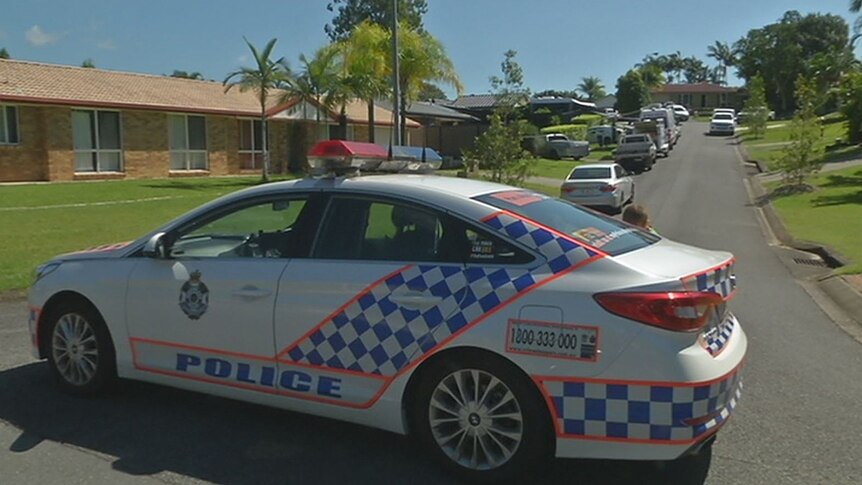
(412, 159)
(341, 155)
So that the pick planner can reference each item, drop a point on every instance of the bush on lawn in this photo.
(574, 132)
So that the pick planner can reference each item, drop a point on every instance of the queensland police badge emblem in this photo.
(194, 296)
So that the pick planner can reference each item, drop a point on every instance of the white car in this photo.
(496, 325)
(680, 112)
(722, 123)
(605, 185)
(604, 134)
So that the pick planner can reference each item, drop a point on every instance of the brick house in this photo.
(700, 96)
(70, 123)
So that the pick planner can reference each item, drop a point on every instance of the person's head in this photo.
(637, 215)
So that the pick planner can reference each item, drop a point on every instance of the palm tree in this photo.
(592, 88)
(723, 53)
(363, 61)
(422, 58)
(317, 82)
(268, 75)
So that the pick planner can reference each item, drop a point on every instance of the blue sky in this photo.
(558, 41)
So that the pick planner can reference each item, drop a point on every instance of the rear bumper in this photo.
(648, 420)
(609, 199)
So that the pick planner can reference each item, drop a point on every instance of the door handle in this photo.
(252, 292)
(416, 299)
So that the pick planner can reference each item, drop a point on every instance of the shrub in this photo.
(573, 131)
(588, 120)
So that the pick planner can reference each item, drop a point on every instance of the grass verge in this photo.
(768, 149)
(40, 221)
(829, 215)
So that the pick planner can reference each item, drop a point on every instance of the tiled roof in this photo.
(437, 109)
(698, 88)
(77, 86)
(40, 83)
(472, 101)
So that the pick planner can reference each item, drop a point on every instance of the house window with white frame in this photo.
(188, 142)
(250, 144)
(8, 125)
(97, 143)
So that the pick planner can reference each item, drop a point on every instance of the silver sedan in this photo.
(599, 185)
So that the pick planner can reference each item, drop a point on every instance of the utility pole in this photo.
(396, 88)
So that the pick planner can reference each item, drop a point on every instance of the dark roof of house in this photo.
(435, 109)
(475, 101)
(558, 101)
(697, 88)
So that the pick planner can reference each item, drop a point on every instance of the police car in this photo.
(497, 325)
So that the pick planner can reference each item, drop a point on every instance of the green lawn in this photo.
(768, 149)
(43, 220)
(831, 215)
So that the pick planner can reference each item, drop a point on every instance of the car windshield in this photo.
(723, 116)
(590, 173)
(599, 231)
(634, 139)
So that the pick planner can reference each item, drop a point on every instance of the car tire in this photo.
(502, 448)
(80, 352)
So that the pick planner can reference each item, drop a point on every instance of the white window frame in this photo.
(4, 136)
(97, 150)
(187, 152)
(254, 150)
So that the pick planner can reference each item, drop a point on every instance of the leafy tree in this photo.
(430, 91)
(187, 75)
(351, 13)
(88, 63)
(723, 53)
(267, 75)
(851, 107)
(757, 112)
(632, 92)
(804, 154)
(499, 150)
(556, 93)
(782, 51)
(592, 88)
(4, 54)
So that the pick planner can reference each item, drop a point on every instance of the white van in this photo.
(725, 110)
(669, 119)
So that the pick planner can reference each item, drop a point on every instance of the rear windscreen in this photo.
(599, 231)
(590, 173)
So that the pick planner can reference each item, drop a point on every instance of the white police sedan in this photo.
(497, 325)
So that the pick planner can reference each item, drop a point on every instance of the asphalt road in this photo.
(798, 422)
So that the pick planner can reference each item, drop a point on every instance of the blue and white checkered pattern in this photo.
(642, 411)
(375, 335)
(720, 280)
(716, 341)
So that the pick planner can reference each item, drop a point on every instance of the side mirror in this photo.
(156, 247)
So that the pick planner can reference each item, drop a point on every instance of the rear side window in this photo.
(368, 229)
(599, 231)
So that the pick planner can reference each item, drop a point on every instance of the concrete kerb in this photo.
(841, 293)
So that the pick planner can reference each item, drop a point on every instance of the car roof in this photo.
(596, 165)
(402, 184)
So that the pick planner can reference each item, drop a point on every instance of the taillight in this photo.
(680, 311)
(566, 189)
(607, 188)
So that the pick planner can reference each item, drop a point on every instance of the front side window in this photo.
(608, 234)
(97, 141)
(8, 125)
(188, 142)
(267, 229)
(250, 144)
(380, 230)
